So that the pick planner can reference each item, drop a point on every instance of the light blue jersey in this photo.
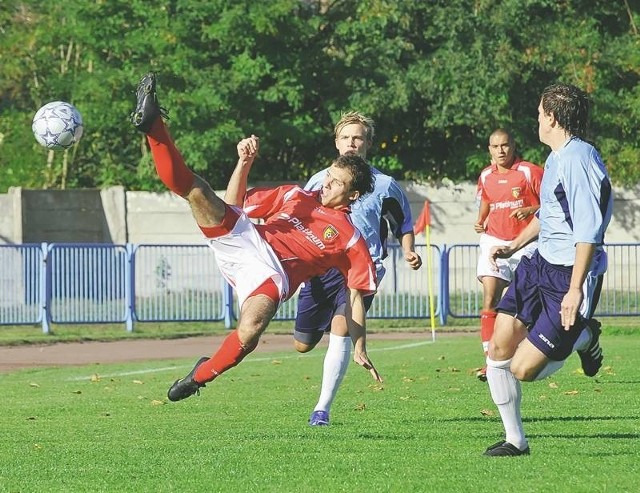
(370, 214)
(576, 202)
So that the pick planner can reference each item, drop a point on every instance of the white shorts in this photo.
(506, 266)
(246, 260)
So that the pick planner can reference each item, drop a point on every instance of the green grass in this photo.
(423, 430)
(32, 334)
(11, 335)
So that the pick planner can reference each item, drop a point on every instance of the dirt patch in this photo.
(86, 353)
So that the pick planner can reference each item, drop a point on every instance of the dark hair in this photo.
(362, 176)
(506, 133)
(570, 107)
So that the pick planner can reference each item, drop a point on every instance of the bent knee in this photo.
(524, 373)
(301, 347)
(499, 352)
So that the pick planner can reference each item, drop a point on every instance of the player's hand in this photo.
(570, 306)
(363, 360)
(502, 251)
(479, 227)
(520, 213)
(413, 259)
(248, 148)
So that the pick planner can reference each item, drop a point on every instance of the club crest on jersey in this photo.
(330, 233)
(516, 191)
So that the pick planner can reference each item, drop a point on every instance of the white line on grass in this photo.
(250, 360)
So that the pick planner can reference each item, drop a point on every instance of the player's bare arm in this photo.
(571, 302)
(408, 246)
(527, 235)
(522, 213)
(355, 314)
(237, 188)
(479, 226)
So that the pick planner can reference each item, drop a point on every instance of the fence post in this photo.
(227, 296)
(129, 287)
(45, 289)
(444, 284)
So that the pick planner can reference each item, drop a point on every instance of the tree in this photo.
(436, 76)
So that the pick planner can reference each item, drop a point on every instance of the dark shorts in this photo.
(318, 301)
(534, 297)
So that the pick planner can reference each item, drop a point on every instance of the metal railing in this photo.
(102, 283)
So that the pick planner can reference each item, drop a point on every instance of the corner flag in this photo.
(423, 220)
(423, 223)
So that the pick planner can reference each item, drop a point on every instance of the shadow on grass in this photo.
(477, 419)
(619, 382)
(616, 436)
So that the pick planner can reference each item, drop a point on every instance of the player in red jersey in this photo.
(509, 195)
(303, 234)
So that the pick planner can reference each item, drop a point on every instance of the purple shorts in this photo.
(318, 301)
(534, 298)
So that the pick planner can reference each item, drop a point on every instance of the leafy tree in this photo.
(436, 76)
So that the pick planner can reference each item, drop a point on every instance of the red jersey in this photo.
(504, 192)
(310, 239)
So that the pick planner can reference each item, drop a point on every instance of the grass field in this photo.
(111, 429)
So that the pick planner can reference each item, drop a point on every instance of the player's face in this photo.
(545, 124)
(336, 188)
(501, 150)
(352, 138)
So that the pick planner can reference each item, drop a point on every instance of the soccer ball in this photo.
(57, 125)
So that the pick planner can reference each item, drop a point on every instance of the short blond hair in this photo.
(351, 117)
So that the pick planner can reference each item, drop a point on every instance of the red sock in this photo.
(487, 323)
(229, 354)
(169, 163)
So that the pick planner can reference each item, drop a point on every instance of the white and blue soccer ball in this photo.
(57, 125)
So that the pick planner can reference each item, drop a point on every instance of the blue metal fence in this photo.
(619, 292)
(22, 280)
(178, 282)
(86, 283)
(100, 283)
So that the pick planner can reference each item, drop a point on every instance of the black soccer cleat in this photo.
(591, 358)
(147, 106)
(505, 449)
(187, 386)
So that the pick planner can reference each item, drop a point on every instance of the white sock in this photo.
(507, 396)
(583, 341)
(549, 369)
(336, 362)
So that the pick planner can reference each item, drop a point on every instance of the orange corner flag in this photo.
(424, 219)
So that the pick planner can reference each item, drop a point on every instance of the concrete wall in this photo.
(160, 218)
(453, 212)
(79, 216)
(115, 216)
(10, 214)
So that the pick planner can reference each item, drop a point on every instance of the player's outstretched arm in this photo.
(527, 235)
(356, 322)
(237, 187)
(523, 213)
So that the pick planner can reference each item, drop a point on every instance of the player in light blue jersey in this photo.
(322, 300)
(387, 206)
(547, 310)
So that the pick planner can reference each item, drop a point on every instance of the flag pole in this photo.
(427, 232)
